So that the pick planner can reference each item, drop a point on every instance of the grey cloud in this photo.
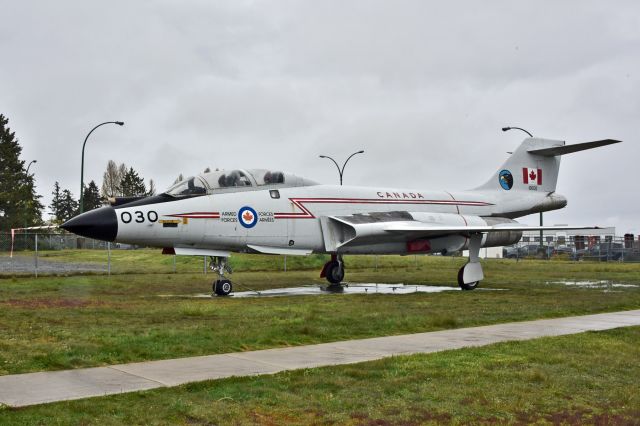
(423, 87)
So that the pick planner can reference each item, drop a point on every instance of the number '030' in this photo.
(139, 216)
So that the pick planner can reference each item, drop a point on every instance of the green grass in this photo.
(54, 323)
(587, 378)
(151, 261)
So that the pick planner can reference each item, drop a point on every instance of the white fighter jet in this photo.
(271, 212)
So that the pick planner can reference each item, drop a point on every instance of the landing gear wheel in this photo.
(222, 287)
(461, 283)
(334, 272)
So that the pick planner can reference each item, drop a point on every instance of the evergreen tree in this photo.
(120, 181)
(132, 184)
(56, 202)
(68, 206)
(152, 188)
(19, 204)
(91, 197)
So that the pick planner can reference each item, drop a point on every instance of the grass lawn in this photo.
(586, 378)
(59, 322)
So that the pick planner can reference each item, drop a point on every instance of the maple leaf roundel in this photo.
(247, 217)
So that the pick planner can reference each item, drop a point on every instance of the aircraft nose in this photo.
(101, 224)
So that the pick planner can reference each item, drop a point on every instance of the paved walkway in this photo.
(36, 388)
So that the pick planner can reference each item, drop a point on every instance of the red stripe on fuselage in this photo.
(306, 214)
(198, 215)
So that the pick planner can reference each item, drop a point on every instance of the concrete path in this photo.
(36, 388)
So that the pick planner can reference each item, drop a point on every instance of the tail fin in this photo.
(535, 164)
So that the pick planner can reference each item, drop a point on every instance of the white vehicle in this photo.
(266, 211)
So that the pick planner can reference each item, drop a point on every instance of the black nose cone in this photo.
(101, 224)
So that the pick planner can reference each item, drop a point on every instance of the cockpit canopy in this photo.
(233, 180)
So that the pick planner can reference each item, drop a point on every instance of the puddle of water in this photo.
(593, 284)
(353, 288)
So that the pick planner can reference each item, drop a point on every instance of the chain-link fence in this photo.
(35, 253)
(591, 248)
(47, 241)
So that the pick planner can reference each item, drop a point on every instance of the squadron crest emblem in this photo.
(506, 179)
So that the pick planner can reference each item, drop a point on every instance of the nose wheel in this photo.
(222, 286)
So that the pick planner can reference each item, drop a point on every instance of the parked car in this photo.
(607, 251)
(562, 249)
(603, 252)
(513, 252)
(533, 250)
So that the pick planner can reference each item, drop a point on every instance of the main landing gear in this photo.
(221, 286)
(469, 275)
(333, 271)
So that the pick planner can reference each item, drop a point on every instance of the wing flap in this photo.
(189, 251)
(280, 250)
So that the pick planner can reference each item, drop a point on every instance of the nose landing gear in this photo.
(221, 286)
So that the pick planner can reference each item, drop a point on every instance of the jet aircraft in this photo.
(266, 211)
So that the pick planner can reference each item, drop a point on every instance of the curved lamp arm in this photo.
(119, 123)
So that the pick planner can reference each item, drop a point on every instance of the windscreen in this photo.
(188, 187)
(267, 177)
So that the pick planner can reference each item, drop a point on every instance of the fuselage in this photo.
(290, 217)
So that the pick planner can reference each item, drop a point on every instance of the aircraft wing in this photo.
(425, 229)
(340, 231)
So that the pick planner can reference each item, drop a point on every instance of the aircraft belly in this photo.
(400, 245)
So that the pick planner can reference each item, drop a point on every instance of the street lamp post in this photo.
(504, 129)
(119, 123)
(341, 170)
(32, 161)
(26, 205)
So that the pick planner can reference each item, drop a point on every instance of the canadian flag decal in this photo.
(531, 176)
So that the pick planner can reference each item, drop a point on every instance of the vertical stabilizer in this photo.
(527, 171)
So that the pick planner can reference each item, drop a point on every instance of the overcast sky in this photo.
(424, 87)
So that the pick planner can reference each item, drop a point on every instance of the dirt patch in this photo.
(579, 417)
(51, 303)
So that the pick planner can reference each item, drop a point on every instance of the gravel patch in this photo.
(26, 264)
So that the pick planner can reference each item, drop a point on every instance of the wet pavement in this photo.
(316, 290)
(598, 284)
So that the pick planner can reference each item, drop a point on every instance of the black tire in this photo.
(335, 272)
(468, 286)
(222, 287)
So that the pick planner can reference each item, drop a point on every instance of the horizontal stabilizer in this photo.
(568, 149)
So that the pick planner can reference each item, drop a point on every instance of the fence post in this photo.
(109, 258)
(285, 263)
(36, 244)
(174, 263)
